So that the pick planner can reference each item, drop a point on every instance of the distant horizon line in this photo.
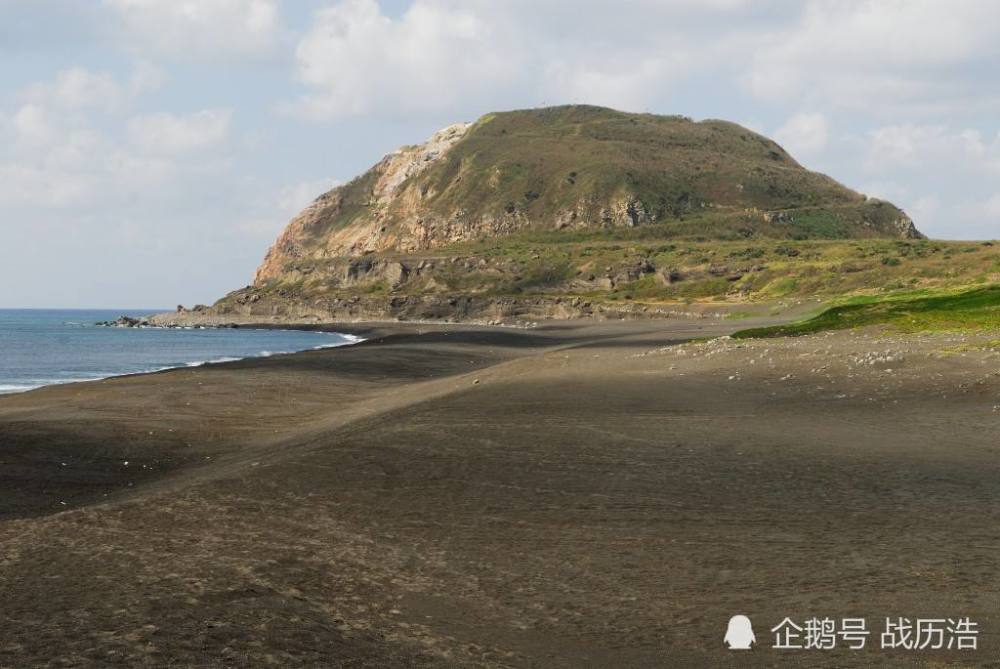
(157, 309)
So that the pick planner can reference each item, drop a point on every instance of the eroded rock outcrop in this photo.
(364, 233)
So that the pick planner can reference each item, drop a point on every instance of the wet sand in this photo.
(579, 494)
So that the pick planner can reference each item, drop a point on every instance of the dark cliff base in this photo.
(572, 495)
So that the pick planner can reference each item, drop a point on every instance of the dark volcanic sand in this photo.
(596, 499)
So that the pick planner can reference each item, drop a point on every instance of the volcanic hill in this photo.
(449, 228)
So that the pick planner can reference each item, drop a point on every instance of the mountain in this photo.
(525, 206)
(577, 167)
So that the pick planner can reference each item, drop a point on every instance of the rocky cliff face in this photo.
(365, 235)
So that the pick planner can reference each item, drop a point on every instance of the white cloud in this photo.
(627, 87)
(76, 167)
(189, 28)
(911, 145)
(356, 59)
(145, 78)
(972, 219)
(63, 146)
(32, 185)
(169, 134)
(803, 134)
(944, 177)
(878, 55)
(991, 207)
(76, 190)
(32, 125)
(78, 89)
(475, 54)
(925, 208)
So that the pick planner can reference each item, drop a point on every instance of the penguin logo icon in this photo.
(739, 634)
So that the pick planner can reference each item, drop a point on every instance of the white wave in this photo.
(214, 361)
(347, 341)
(7, 389)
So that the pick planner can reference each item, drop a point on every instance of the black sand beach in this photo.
(571, 495)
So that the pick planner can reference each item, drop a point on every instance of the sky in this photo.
(151, 150)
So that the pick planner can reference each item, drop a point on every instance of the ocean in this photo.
(40, 347)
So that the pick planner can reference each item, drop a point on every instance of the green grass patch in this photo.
(967, 310)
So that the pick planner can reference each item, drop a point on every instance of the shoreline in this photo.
(342, 328)
(12, 389)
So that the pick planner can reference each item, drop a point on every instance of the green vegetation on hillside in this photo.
(542, 160)
(581, 173)
(601, 266)
(677, 270)
(912, 312)
(542, 164)
(600, 206)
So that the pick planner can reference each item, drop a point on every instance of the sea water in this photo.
(44, 347)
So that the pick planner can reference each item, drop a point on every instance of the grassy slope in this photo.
(687, 175)
(547, 159)
(728, 271)
(691, 178)
(770, 269)
(912, 312)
